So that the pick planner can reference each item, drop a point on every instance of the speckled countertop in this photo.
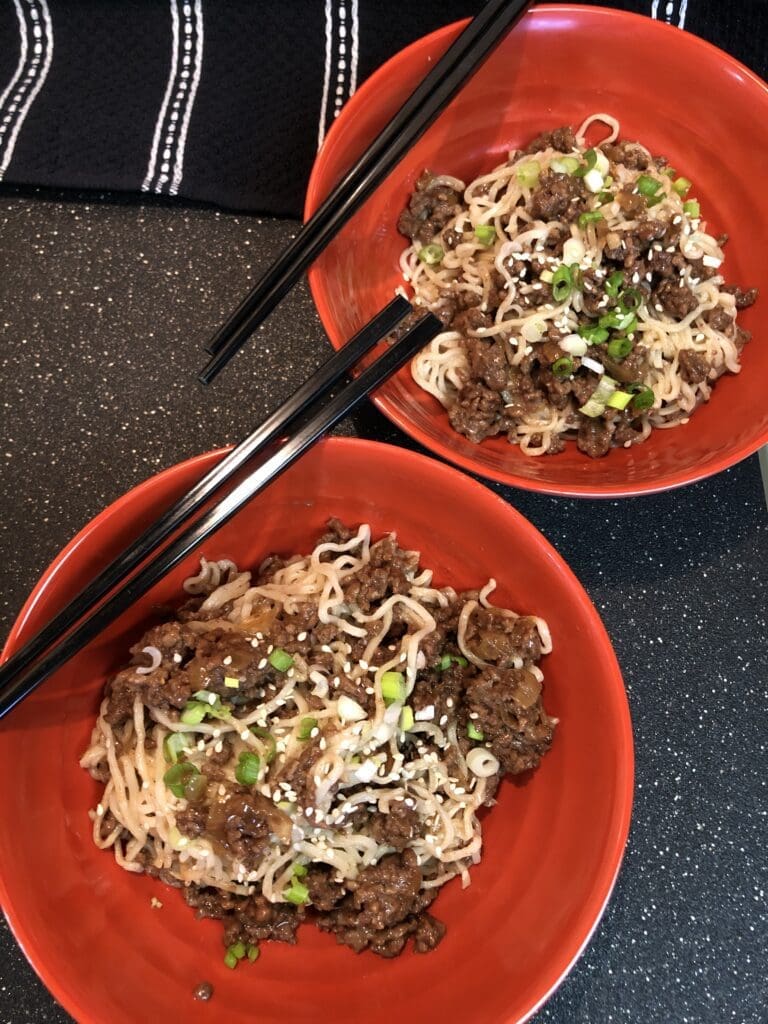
(104, 307)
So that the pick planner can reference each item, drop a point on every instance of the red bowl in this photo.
(681, 97)
(553, 845)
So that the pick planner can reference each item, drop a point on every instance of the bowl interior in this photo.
(680, 96)
(552, 845)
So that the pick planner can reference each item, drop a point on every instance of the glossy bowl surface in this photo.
(678, 95)
(553, 844)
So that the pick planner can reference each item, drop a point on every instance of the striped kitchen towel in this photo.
(225, 101)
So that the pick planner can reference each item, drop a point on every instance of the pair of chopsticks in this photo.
(314, 409)
(441, 84)
(308, 414)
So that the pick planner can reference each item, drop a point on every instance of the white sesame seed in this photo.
(218, 747)
(177, 658)
(301, 637)
(228, 660)
(254, 642)
(262, 663)
(326, 649)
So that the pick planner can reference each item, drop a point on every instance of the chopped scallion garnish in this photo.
(280, 659)
(631, 299)
(648, 186)
(528, 173)
(593, 333)
(406, 718)
(619, 321)
(681, 185)
(564, 165)
(393, 687)
(193, 713)
(692, 208)
(451, 659)
(296, 893)
(619, 400)
(473, 732)
(618, 348)
(595, 405)
(613, 283)
(248, 766)
(306, 727)
(173, 745)
(591, 217)
(431, 254)
(643, 397)
(299, 870)
(185, 781)
(265, 734)
(485, 234)
(562, 283)
(252, 952)
(232, 682)
(563, 367)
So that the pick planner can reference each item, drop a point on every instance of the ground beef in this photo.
(505, 705)
(488, 362)
(694, 366)
(430, 207)
(384, 906)
(632, 203)
(471, 319)
(246, 918)
(631, 154)
(477, 412)
(435, 688)
(246, 824)
(502, 639)
(398, 827)
(743, 298)
(627, 430)
(629, 370)
(558, 197)
(592, 294)
(719, 319)
(677, 300)
(324, 892)
(594, 438)
(561, 139)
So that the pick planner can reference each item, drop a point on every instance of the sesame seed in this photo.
(177, 658)
(326, 649)
(244, 734)
(228, 660)
(301, 637)
(262, 663)
(347, 666)
(218, 747)
(254, 642)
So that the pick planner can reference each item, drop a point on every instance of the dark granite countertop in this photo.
(104, 306)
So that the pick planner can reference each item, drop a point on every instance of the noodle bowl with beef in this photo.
(580, 291)
(318, 742)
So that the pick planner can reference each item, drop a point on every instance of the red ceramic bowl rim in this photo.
(318, 285)
(605, 878)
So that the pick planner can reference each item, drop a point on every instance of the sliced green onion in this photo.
(654, 201)
(619, 400)
(648, 186)
(643, 398)
(595, 405)
(631, 299)
(614, 283)
(406, 718)
(196, 788)
(252, 952)
(205, 696)
(305, 728)
(230, 960)
(591, 217)
(173, 745)
(299, 870)
(618, 348)
(431, 254)
(232, 682)
(669, 171)
(393, 687)
(281, 660)
(448, 659)
(296, 893)
(681, 185)
(248, 766)
(485, 233)
(605, 197)
(193, 713)
(619, 321)
(692, 208)
(590, 158)
(178, 777)
(562, 283)
(473, 732)
(528, 173)
(265, 734)
(564, 165)
(593, 333)
(563, 367)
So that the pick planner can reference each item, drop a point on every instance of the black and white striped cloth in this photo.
(226, 100)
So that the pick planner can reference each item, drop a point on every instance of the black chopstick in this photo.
(445, 79)
(314, 419)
